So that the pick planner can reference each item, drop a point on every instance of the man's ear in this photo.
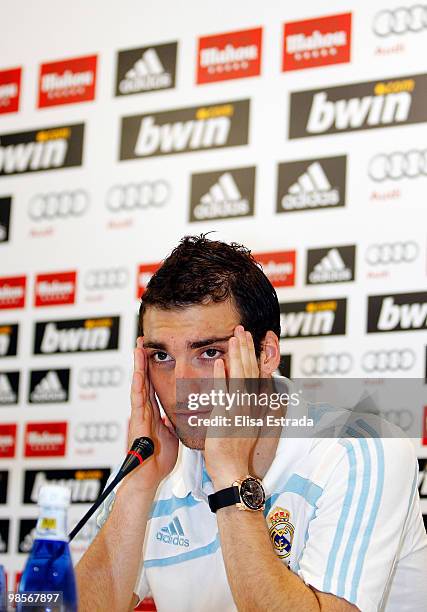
(270, 356)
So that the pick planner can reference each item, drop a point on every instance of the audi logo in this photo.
(392, 253)
(398, 165)
(111, 278)
(97, 432)
(388, 361)
(326, 364)
(138, 195)
(92, 378)
(400, 20)
(402, 418)
(58, 205)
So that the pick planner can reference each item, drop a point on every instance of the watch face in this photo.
(252, 494)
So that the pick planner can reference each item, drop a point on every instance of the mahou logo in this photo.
(359, 106)
(7, 440)
(145, 272)
(76, 335)
(45, 439)
(279, 267)
(12, 292)
(398, 312)
(317, 42)
(67, 81)
(10, 85)
(233, 55)
(55, 289)
(40, 150)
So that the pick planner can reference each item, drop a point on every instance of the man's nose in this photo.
(184, 369)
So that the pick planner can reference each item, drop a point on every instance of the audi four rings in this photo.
(392, 252)
(398, 165)
(326, 364)
(402, 418)
(92, 378)
(401, 20)
(97, 432)
(60, 205)
(388, 361)
(138, 195)
(109, 278)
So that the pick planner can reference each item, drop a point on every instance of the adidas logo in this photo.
(222, 200)
(311, 190)
(330, 269)
(147, 73)
(173, 534)
(7, 394)
(49, 389)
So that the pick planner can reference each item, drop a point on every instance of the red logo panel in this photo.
(12, 292)
(7, 440)
(317, 42)
(233, 55)
(145, 272)
(279, 267)
(45, 439)
(55, 289)
(67, 82)
(10, 87)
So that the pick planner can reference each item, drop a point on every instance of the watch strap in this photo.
(223, 498)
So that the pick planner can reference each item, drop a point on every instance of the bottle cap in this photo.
(54, 495)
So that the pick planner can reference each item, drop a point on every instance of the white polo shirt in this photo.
(343, 514)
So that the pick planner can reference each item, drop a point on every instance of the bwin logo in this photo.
(173, 534)
(351, 114)
(181, 135)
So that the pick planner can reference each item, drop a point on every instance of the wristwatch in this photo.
(245, 494)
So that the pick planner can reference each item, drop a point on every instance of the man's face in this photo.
(184, 344)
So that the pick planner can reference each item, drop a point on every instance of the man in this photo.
(341, 529)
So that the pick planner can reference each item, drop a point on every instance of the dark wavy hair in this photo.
(200, 271)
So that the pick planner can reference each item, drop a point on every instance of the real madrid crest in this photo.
(281, 531)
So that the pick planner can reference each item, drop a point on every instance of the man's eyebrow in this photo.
(155, 345)
(207, 341)
(161, 346)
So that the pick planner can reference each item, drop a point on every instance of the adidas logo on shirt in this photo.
(221, 195)
(173, 533)
(146, 69)
(49, 389)
(330, 265)
(311, 184)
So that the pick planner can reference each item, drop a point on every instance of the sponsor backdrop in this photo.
(296, 130)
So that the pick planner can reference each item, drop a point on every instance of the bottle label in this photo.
(52, 524)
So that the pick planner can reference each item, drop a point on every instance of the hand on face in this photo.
(146, 421)
(228, 458)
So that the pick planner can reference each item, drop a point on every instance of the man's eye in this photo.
(211, 353)
(161, 357)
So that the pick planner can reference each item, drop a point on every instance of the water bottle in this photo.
(49, 568)
(3, 600)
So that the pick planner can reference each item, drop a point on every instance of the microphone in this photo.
(141, 449)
